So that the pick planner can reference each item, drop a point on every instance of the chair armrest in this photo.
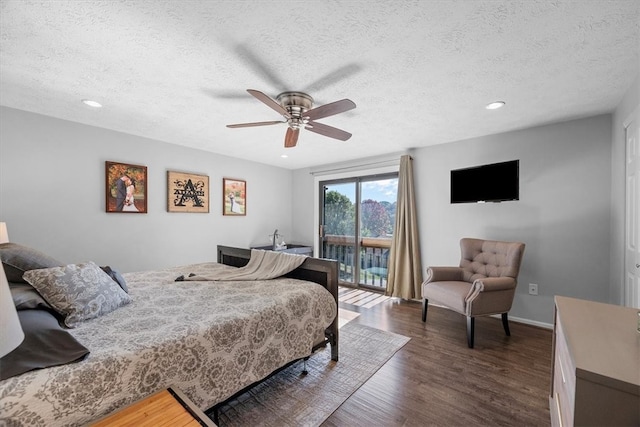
(489, 284)
(481, 291)
(444, 274)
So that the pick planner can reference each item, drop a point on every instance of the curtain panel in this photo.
(405, 266)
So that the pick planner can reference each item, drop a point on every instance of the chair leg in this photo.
(471, 322)
(425, 303)
(505, 324)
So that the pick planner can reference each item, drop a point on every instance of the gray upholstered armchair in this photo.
(483, 284)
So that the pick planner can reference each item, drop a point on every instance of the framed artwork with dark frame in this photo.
(187, 192)
(126, 188)
(234, 197)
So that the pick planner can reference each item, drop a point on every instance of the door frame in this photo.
(356, 231)
(357, 181)
(630, 297)
(389, 166)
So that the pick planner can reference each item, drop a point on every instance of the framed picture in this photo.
(126, 190)
(234, 197)
(187, 192)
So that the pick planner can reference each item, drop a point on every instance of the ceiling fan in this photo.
(296, 109)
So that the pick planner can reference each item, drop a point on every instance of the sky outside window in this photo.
(380, 190)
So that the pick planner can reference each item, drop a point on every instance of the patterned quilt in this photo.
(209, 339)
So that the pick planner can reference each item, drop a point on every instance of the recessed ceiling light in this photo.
(495, 105)
(91, 103)
(284, 156)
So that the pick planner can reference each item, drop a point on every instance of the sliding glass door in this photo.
(357, 216)
(338, 226)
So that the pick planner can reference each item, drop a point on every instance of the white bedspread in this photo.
(210, 339)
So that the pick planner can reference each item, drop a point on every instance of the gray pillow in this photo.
(25, 297)
(45, 344)
(117, 277)
(78, 291)
(16, 259)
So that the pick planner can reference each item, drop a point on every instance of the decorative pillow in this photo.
(78, 291)
(117, 277)
(26, 297)
(45, 344)
(16, 259)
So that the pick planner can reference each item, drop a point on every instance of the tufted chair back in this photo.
(489, 258)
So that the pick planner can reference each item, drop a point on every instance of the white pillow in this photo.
(78, 291)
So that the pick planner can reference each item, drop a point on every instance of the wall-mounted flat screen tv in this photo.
(496, 182)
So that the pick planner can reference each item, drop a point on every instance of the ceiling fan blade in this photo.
(246, 125)
(227, 94)
(269, 102)
(329, 131)
(259, 66)
(291, 138)
(330, 109)
(333, 77)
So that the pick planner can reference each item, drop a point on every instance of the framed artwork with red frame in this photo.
(126, 188)
(234, 197)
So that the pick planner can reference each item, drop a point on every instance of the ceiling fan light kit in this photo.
(91, 103)
(296, 108)
(495, 105)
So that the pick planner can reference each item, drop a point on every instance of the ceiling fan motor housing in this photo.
(296, 104)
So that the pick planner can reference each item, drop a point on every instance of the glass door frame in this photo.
(355, 273)
(357, 181)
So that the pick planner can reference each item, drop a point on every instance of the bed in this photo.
(209, 339)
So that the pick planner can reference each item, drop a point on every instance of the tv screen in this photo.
(496, 182)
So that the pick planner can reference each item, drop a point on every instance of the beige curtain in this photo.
(405, 267)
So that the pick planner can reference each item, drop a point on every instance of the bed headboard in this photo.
(321, 271)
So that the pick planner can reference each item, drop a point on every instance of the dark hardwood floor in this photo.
(435, 379)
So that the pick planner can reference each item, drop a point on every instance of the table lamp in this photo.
(11, 334)
(4, 234)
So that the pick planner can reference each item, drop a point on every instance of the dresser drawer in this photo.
(564, 367)
(563, 401)
(564, 380)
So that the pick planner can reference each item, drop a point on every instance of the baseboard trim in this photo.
(526, 321)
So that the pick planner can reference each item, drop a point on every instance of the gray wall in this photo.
(303, 206)
(563, 214)
(52, 185)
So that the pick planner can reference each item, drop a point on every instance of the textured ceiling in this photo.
(420, 72)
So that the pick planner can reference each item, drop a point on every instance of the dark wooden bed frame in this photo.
(321, 271)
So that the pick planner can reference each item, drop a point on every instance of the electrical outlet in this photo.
(533, 289)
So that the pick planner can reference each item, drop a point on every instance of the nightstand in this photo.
(169, 407)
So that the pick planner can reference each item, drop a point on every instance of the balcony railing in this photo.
(373, 258)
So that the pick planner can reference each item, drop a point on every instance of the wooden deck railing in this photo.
(373, 258)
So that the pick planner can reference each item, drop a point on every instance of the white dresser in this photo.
(595, 378)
